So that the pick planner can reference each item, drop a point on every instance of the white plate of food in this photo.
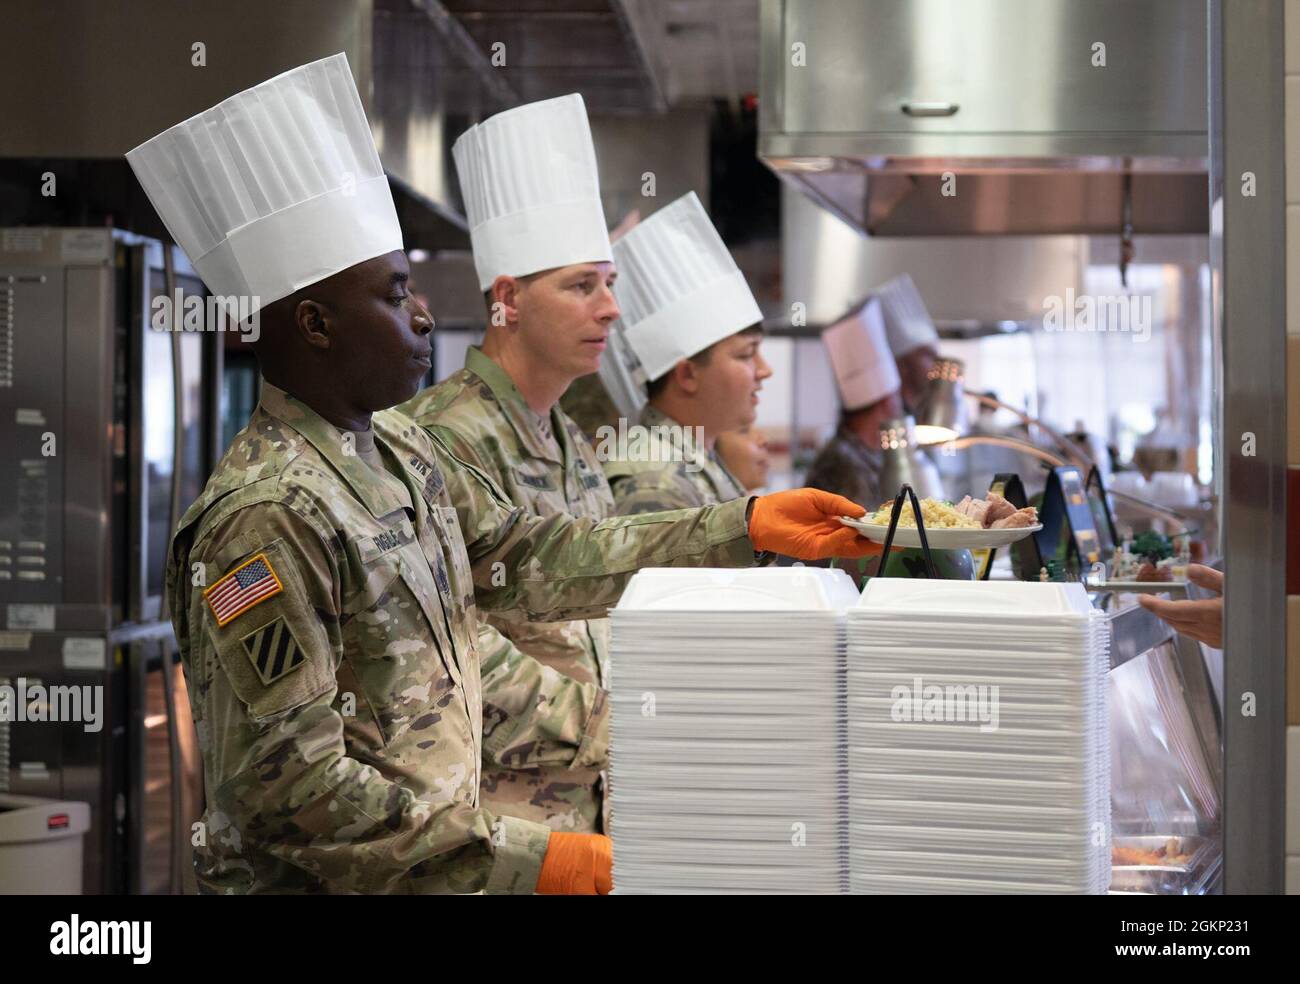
(971, 524)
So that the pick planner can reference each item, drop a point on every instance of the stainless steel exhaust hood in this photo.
(942, 117)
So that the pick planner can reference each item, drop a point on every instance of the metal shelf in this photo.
(1135, 631)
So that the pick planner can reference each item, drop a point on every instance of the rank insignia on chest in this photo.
(420, 466)
(249, 584)
(273, 651)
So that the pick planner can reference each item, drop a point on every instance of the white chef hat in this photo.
(908, 324)
(532, 194)
(860, 358)
(275, 188)
(678, 288)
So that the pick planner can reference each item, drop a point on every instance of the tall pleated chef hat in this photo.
(275, 188)
(678, 288)
(864, 367)
(908, 324)
(532, 194)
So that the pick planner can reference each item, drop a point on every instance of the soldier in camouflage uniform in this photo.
(545, 465)
(703, 363)
(868, 383)
(547, 296)
(847, 465)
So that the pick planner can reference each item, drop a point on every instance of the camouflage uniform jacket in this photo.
(326, 620)
(546, 466)
(668, 472)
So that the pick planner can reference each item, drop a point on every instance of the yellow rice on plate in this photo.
(937, 515)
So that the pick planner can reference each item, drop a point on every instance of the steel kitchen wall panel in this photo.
(1248, 136)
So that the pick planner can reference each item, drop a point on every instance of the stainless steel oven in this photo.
(92, 398)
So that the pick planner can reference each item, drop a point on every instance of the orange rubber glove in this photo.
(804, 523)
(577, 864)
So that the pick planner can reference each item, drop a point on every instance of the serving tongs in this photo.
(906, 491)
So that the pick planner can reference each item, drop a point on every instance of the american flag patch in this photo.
(248, 584)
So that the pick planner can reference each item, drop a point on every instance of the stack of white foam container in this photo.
(977, 738)
(727, 763)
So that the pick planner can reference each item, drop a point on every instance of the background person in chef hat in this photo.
(849, 464)
(532, 195)
(693, 325)
(913, 339)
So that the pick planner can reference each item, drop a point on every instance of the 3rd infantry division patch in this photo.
(273, 651)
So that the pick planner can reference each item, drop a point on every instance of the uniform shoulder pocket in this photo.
(270, 640)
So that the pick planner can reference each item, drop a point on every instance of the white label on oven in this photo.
(83, 654)
(86, 245)
(22, 240)
(35, 618)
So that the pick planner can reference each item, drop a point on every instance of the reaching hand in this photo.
(804, 523)
(1199, 620)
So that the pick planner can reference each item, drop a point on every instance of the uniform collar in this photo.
(709, 461)
(652, 416)
(528, 426)
(381, 494)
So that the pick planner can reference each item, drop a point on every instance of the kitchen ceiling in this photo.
(424, 67)
(624, 56)
(706, 49)
(547, 48)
